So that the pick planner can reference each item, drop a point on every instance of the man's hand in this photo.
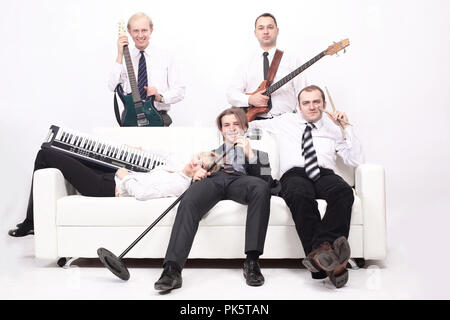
(201, 174)
(258, 100)
(339, 118)
(152, 91)
(121, 42)
(122, 173)
(244, 143)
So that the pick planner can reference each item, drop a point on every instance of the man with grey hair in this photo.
(156, 72)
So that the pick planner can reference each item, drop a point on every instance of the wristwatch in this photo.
(162, 99)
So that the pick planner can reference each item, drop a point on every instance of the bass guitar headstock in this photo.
(336, 47)
(121, 26)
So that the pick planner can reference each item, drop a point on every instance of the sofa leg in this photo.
(66, 262)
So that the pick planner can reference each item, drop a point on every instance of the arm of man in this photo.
(175, 82)
(238, 87)
(350, 149)
(118, 72)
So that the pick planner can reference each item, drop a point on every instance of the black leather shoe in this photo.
(170, 279)
(23, 229)
(252, 273)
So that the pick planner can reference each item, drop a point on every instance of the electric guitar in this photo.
(267, 88)
(136, 112)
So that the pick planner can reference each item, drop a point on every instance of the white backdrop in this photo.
(392, 82)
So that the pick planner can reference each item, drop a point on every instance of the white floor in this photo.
(24, 277)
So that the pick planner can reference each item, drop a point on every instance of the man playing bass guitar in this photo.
(254, 70)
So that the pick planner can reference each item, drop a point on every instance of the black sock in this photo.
(253, 255)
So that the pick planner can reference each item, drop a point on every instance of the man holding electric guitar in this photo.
(258, 67)
(150, 75)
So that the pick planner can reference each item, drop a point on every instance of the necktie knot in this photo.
(310, 126)
(265, 54)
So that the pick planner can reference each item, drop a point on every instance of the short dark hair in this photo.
(267, 15)
(312, 88)
(238, 113)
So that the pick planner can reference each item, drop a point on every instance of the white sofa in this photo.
(70, 225)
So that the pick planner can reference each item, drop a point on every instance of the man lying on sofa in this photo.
(244, 178)
(169, 180)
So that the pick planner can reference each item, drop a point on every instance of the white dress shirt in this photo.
(249, 76)
(327, 140)
(163, 181)
(162, 73)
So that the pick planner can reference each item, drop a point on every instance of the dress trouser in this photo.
(300, 194)
(203, 195)
(87, 179)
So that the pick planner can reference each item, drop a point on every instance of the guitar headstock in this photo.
(121, 26)
(335, 48)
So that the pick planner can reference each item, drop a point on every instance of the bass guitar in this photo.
(137, 113)
(266, 88)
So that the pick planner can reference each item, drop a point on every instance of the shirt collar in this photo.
(271, 52)
(137, 53)
(318, 124)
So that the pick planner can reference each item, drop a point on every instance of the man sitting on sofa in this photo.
(308, 145)
(244, 178)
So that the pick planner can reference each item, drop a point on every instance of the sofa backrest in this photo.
(186, 141)
(183, 141)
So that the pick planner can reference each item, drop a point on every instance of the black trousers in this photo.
(204, 194)
(88, 179)
(300, 194)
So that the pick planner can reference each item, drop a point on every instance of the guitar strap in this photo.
(118, 90)
(273, 71)
(274, 65)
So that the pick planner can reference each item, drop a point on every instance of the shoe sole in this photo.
(342, 249)
(309, 264)
(340, 280)
(13, 233)
(253, 284)
(167, 288)
(327, 260)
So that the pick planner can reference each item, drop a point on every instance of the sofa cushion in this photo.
(77, 210)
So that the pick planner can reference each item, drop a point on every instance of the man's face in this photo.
(266, 32)
(195, 165)
(310, 104)
(140, 31)
(231, 128)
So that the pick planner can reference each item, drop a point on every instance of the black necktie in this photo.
(266, 65)
(142, 77)
(309, 153)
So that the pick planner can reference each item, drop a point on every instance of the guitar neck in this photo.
(277, 85)
(131, 76)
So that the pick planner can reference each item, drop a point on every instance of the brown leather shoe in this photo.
(323, 258)
(339, 276)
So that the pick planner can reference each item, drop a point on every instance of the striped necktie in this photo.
(142, 77)
(308, 152)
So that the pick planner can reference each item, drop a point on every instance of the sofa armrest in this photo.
(48, 186)
(370, 187)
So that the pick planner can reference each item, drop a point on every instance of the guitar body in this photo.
(132, 110)
(253, 112)
(267, 88)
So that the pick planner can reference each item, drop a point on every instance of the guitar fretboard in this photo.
(277, 85)
(131, 76)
